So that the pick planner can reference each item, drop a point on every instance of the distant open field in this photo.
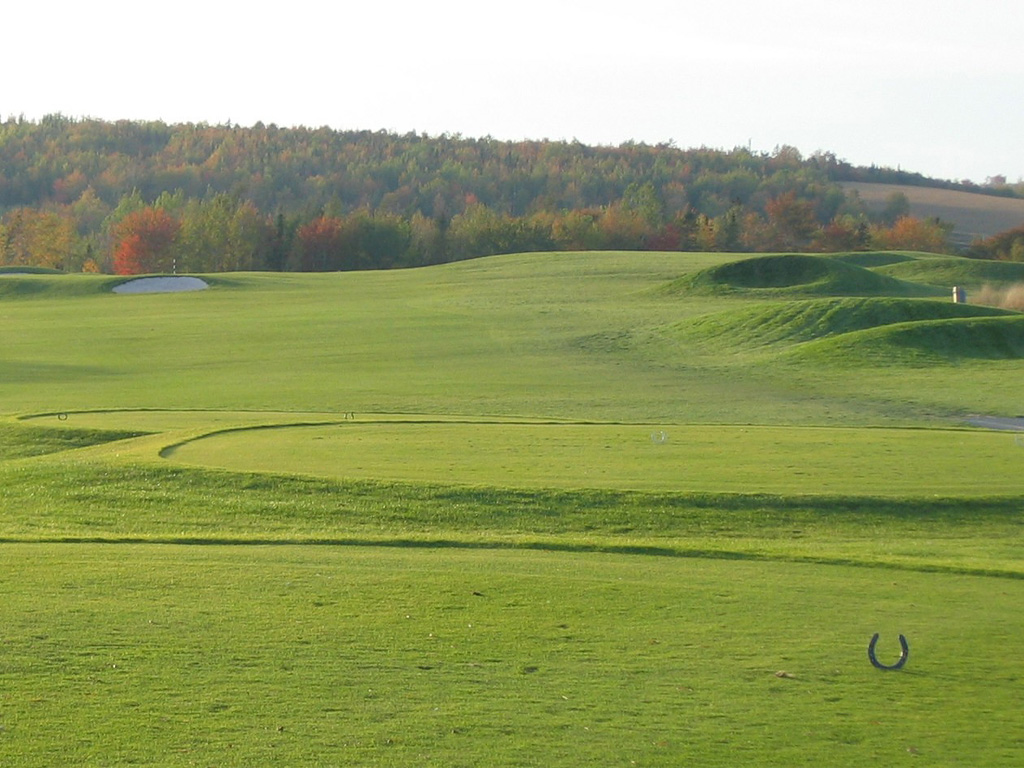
(973, 215)
(539, 509)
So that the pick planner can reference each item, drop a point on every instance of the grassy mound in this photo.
(956, 271)
(25, 285)
(41, 284)
(691, 459)
(922, 343)
(13, 269)
(800, 321)
(872, 259)
(17, 441)
(795, 275)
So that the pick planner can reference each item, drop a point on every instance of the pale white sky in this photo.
(935, 87)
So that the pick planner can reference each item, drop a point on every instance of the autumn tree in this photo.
(281, 241)
(70, 187)
(844, 233)
(1005, 246)
(756, 234)
(89, 212)
(251, 239)
(319, 244)
(644, 200)
(481, 231)
(728, 229)
(577, 231)
(144, 242)
(913, 234)
(624, 228)
(376, 241)
(222, 235)
(241, 195)
(897, 206)
(426, 240)
(791, 220)
(30, 237)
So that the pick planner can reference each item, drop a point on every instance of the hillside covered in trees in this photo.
(132, 197)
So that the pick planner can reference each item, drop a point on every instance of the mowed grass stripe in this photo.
(680, 458)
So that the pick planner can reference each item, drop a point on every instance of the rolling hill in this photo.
(552, 509)
(796, 274)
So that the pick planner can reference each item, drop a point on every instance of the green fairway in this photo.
(707, 459)
(543, 509)
(563, 336)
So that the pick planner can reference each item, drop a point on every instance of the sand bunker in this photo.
(162, 285)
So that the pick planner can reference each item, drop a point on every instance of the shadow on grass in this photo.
(65, 501)
(644, 550)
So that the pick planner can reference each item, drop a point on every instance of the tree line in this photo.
(128, 197)
(1006, 246)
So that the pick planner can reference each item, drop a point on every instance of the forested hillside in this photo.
(148, 197)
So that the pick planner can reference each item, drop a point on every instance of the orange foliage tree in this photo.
(1005, 246)
(144, 242)
(912, 234)
(842, 234)
(791, 221)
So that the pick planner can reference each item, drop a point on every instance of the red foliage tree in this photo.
(1005, 246)
(913, 234)
(841, 235)
(144, 242)
(321, 244)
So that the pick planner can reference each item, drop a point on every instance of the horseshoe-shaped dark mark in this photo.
(903, 654)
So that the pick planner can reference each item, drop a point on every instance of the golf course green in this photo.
(597, 508)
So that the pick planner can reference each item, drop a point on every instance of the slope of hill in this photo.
(925, 343)
(973, 215)
(546, 335)
(793, 274)
(794, 322)
(952, 271)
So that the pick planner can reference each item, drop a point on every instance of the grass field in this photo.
(334, 656)
(692, 459)
(547, 509)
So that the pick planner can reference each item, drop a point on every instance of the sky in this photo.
(932, 87)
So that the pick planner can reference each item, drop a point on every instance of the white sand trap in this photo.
(162, 285)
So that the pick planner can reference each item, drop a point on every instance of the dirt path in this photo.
(1015, 423)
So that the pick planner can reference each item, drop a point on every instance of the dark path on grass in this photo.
(1015, 423)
